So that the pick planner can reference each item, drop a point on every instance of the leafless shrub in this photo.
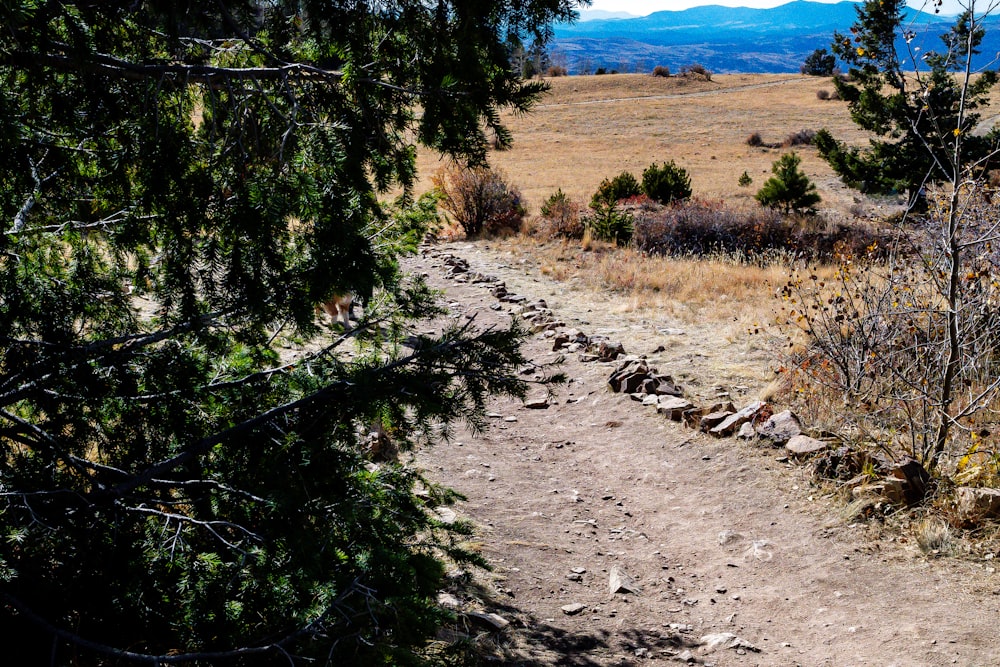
(661, 70)
(822, 94)
(755, 140)
(556, 70)
(479, 199)
(800, 138)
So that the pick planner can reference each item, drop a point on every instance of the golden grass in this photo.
(591, 127)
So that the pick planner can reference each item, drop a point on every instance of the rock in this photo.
(608, 351)
(975, 504)
(559, 341)
(666, 386)
(446, 515)
(728, 425)
(916, 479)
(488, 620)
(692, 417)
(634, 368)
(747, 432)
(685, 656)
(619, 582)
(537, 403)
(588, 358)
(448, 601)
(573, 609)
(574, 576)
(780, 428)
(673, 407)
(650, 399)
(713, 419)
(802, 446)
(649, 386)
(726, 640)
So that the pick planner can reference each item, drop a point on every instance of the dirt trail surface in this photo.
(734, 557)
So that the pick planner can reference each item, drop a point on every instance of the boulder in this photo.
(729, 425)
(801, 446)
(974, 504)
(673, 407)
(608, 351)
(780, 428)
(747, 432)
(713, 419)
(619, 582)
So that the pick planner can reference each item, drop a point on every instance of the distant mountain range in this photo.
(730, 39)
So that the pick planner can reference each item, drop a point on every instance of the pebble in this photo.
(573, 609)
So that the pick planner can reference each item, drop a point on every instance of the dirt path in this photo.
(719, 536)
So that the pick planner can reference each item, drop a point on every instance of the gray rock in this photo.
(448, 601)
(490, 621)
(650, 399)
(729, 425)
(977, 503)
(674, 407)
(537, 403)
(915, 479)
(747, 432)
(573, 609)
(726, 640)
(619, 582)
(801, 446)
(780, 428)
(713, 419)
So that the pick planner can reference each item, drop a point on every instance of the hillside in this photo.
(729, 39)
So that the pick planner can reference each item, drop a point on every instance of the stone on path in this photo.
(726, 640)
(573, 609)
(801, 446)
(780, 428)
(619, 582)
(977, 503)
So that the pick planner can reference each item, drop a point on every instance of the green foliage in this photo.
(819, 63)
(789, 189)
(622, 186)
(611, 224)
(915, 119)
(745, 180)
(176, 485)
(666, 183)
(561, 216)
(479, 199)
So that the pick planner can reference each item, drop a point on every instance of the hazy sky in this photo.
(643, 7)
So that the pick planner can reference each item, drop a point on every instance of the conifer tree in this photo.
(182, 183)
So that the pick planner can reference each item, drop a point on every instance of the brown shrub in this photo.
(696, 71)
(823, 94)
(661, 70)
(800, 138)
(702, 228)
(479, 199)
(556, 70)
(755, 140)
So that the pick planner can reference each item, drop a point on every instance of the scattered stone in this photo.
(685, 656)
(537, 403)
(801, 446)
(713, 419)
(574, 576)
(579, 570)
(573, 609)
(619, 582)
(729, 425)
(446, 515)
(448, 601)
(780, 428)
(608, 351)
(673, 407)
(726, 640)
(747, 432)
(650, 399)
(490, 621)
(975, 504)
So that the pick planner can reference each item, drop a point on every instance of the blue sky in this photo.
(643, 7)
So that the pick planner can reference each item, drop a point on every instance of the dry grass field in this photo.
(588, 128)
